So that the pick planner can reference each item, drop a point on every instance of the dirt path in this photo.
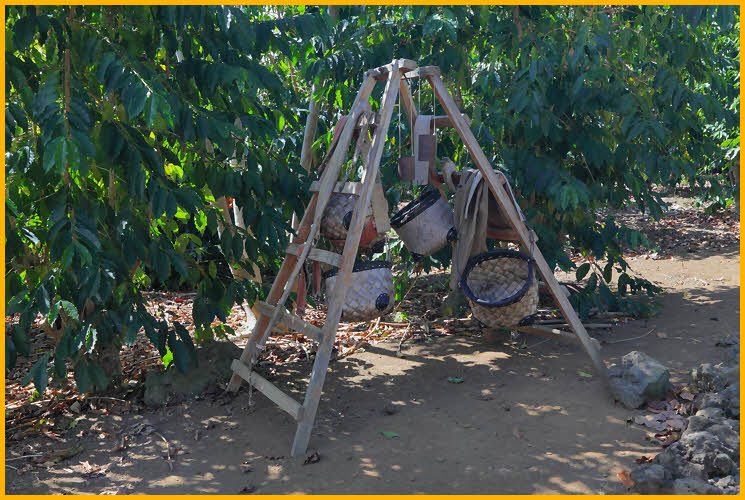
(521, 421)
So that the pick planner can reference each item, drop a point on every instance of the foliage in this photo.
(109, 179)
(109, 111)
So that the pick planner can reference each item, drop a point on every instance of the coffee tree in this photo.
(120, 126)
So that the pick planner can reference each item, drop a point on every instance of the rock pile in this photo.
(706, 459)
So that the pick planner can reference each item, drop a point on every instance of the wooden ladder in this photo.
(272, 311)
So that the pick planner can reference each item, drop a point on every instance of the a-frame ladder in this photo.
(273, 312)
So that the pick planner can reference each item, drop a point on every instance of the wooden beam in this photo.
(317, 254)
(381, 72)
(339, 292)
(509, 210)
(407, 101)
(446, 122)
(268, 389)
(424, 72)
(555, 334)
(290, 320)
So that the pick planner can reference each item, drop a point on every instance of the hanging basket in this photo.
(370, 293)
(501, 287)
(426, 224)
(337, 217)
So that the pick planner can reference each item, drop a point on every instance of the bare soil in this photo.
(446, 414)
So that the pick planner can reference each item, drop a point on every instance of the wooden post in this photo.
(338, 294)
(505, 203)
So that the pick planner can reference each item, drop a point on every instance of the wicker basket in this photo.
(426, 224)
(501, 287)
(370, 293)
(337, 217)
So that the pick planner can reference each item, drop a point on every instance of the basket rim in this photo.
(412, 209)
(361, 266)
(501, 253)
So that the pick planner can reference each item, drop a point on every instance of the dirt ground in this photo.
(521, 421)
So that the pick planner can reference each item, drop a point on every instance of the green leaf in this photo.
(389, 434)
(38, 373)
(455, 380)
(582, 271)
(181, 356)
(98, 377)
(24, 31)
(20, 340)
(134, 97)
(583, 374)
(167, 357)
(608, 272)
(69, 309)
(55, 150)
(82, 377)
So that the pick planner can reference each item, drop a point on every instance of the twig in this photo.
(168, 449)
(632, 338)
(24, 456)
(106, 397)
(537, 343)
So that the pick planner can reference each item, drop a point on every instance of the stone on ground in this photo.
(213, 366)
(638, 379)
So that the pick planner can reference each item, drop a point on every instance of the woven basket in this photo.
(501, 287)
(370, 293)
(426, 224)
(337, 217)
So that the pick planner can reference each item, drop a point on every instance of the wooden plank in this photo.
(317, 254)
(290, 320)
(382, 72)
(555, 334)
(446, 122)
(407, 102)
(268, 389)
(336, 302)
(308, 228)
(340, 187)
(508, 209)
(424, 72)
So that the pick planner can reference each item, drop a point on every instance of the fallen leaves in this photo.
(92, 471)
(313, 458)
(625, 478)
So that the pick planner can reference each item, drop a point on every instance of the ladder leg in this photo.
(313, 395)
(339, 293)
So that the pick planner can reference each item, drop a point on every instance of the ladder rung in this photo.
(444, 121)
(268, 389)
(290, 320)
(331, 258)
(354, 188)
